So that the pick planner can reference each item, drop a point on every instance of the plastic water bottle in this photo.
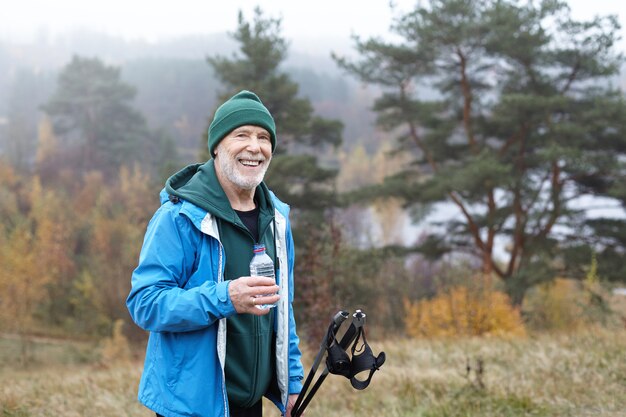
(262, 265)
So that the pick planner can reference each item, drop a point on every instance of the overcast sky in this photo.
(158, 19)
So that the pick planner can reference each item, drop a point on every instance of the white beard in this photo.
(229, 167)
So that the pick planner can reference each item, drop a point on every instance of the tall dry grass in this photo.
(580, 374)
(71, 391)
(548, 375)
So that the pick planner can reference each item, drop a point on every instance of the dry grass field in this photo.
(582, 374)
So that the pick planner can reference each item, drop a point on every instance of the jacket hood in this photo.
(198, 184)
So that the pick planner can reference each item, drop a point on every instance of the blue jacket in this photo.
(179, 294)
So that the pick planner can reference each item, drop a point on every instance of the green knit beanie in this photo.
(244, 108)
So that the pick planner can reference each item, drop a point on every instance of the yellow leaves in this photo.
(84, 289)
(359, 169)
(7, 175)
(355, 169)
(48, 145)
(134, 188)
(116, 348)
(67, 253)
(591, 278)
(34, 252)
(460, 311)
(566, 304)
(21, 284)
(87, 197)
(8, 196)
(53, 232)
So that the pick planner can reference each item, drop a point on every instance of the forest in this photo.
(511, 117)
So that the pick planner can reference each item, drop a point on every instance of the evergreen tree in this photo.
(296, 173)
(605, 243)
(522, 122)
(92, 113)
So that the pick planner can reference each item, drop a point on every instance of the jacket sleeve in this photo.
(158, 300)
(296, 371)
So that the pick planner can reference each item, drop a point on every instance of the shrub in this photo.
(461, 311)
(115, 348)
(567, 305)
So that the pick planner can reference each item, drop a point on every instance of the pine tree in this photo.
(92, 113)
(296, 173)
(510, 115)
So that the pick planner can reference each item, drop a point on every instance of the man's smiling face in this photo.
(244, 155)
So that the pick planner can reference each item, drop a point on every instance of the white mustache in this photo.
(250, 157)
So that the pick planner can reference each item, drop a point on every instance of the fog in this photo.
(311, 25)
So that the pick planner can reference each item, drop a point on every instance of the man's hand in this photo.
(291, 401)
(246, 293)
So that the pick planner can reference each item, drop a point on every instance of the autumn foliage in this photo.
(463, 311)
(67, 249)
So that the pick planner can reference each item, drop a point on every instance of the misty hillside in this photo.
(176, 90)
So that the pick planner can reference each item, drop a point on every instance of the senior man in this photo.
(211, 350)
